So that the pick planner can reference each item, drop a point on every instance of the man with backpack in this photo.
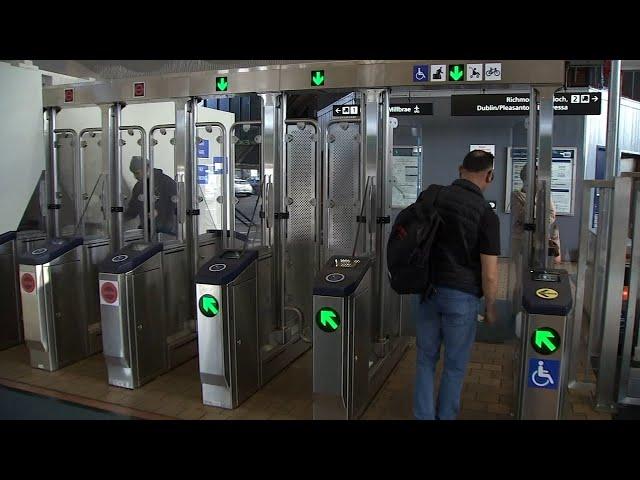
(463, 261)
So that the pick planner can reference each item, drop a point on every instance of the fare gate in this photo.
(227, 293)
(56, 329)
(133, 315)
(543, 357)
(341, 338)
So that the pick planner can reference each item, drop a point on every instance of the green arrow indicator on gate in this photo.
(545, 340)
(456, 72)
(317, 78)
(327, 319)
(208, 305)
(221, 84)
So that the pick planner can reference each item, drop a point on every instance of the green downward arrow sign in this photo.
(221, 84)
(317, 77)
(456, 72)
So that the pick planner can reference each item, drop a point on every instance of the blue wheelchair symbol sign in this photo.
(543, 373)
(420, 73)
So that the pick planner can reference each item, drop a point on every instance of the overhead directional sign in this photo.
(208, 305)
(569, 103)
(395, 109)
(456, 72)
(222, 84)
(317, 78)
(545, 340)
(411, 109)
(346, 111)
(327, 319)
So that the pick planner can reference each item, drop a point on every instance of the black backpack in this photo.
(410, 242)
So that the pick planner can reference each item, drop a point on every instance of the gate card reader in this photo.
(547, 292)
(340, 276)
(128, 258)
(225, 267)
(51, 250)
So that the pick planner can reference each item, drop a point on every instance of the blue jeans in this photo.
(448, 317)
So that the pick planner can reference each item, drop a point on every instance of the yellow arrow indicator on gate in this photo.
(547, 293)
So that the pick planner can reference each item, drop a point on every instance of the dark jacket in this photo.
(455, 257)
(165, 205)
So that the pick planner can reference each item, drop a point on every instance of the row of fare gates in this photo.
(248, 294)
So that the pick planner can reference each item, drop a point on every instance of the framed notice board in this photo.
(563, 177)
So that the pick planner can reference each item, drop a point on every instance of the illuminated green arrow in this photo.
(317, 77)
(456, 72)
(221, 84)
(208, 305)
(543, 337)
(327, 318)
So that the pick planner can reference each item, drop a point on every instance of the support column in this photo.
(186, 168)
(51, 175)
(274, 174)
(613, 118)
(376, 162)
(112, 162)
(532, 149)
(543, 204)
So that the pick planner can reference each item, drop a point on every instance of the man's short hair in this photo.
(136, 163)
(478, 161)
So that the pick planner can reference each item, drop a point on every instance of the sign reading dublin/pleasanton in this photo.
(569, 103)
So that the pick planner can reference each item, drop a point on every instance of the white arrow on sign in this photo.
(594, 98)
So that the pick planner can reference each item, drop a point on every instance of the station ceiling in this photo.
(115, 69)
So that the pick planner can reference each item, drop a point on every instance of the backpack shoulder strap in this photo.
(430, 195)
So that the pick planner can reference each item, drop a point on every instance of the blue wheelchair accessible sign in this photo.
(420, 73)
(543, 373)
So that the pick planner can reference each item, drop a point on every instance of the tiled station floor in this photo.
(487, 393)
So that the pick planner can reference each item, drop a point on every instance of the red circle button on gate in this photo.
(109, 292)
(28, 282)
